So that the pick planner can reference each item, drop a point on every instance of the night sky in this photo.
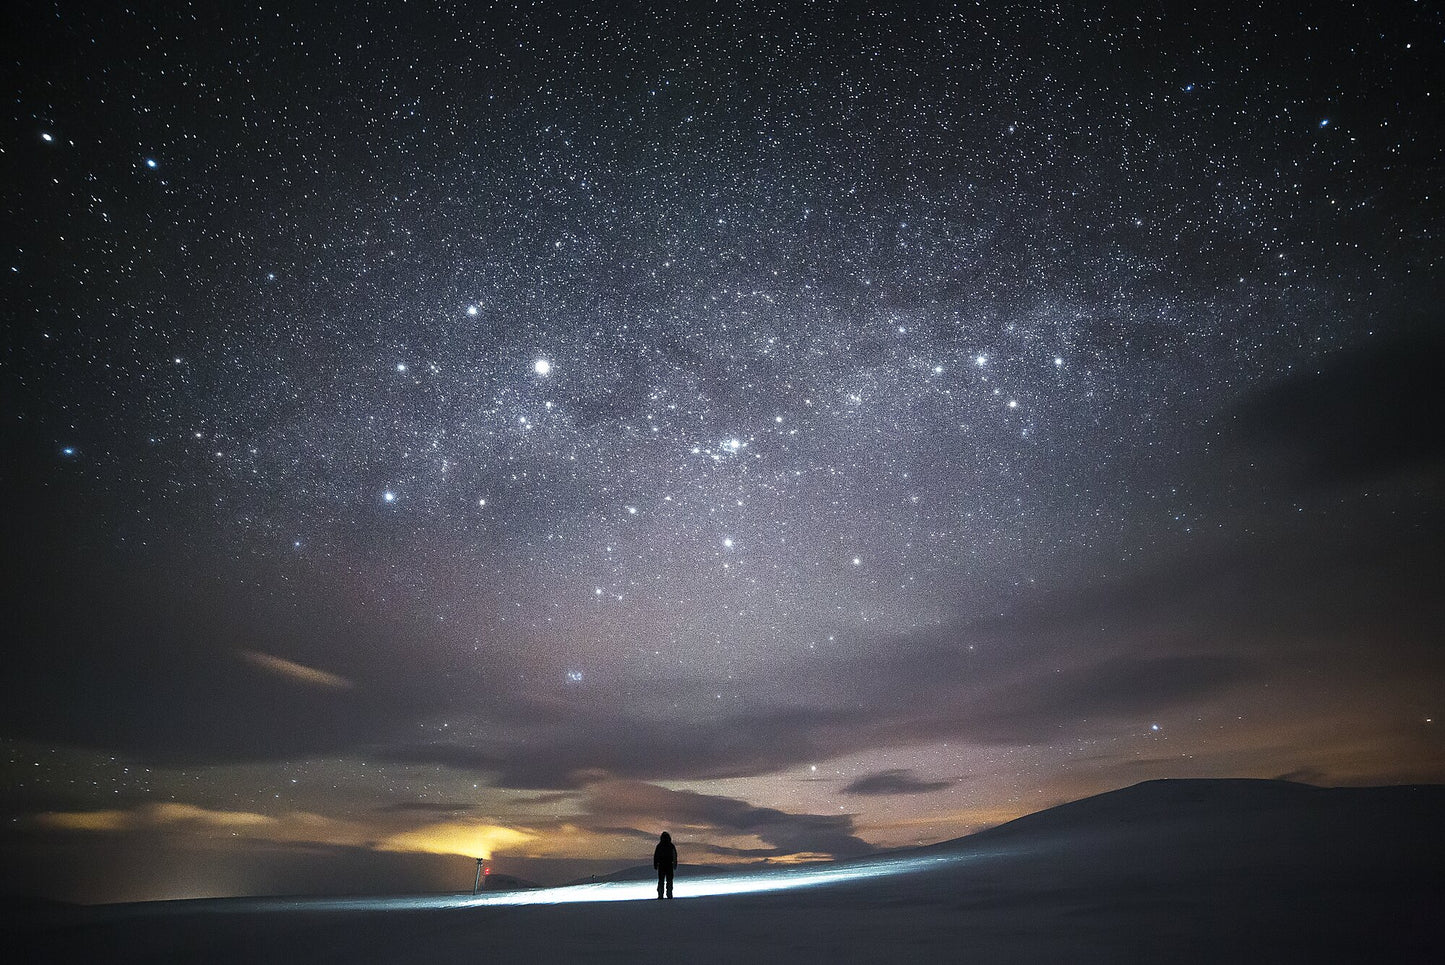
(437, 431)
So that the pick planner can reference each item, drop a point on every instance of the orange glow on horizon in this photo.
(456, 837)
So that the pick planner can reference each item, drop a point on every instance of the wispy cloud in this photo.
(477, 839)
(293, 826)
(298, 672)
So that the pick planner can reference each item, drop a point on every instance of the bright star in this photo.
(542, 367)
(151, 163)
(46, 137)
(389, 496)
(471, 309)
(401, 366)
(68, 451)
(980, 360)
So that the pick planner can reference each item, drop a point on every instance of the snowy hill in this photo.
(1225, 816)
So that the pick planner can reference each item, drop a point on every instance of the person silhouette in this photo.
(664, 859)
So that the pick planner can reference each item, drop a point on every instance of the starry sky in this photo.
(440, 431)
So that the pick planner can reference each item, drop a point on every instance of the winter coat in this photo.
(664, 857)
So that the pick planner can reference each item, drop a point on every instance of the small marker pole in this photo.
(477, 885)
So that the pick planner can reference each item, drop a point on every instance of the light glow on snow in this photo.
(646, 890)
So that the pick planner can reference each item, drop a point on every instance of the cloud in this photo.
(1065, 662)
(476, 839)
(1116, 688)
(177, 817)
(295, 671)
(554, 797)
(423, 807)
(907, 694)
(894, 781)
(592, 741)
(788, 833)
(111, 820)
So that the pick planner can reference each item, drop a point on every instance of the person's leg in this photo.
(669, 882)
(662, 877)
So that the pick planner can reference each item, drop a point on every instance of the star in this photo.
(542, 367)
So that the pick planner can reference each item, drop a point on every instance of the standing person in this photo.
(664, 859)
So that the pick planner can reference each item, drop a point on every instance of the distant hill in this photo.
(644, 872)
(1239, 818)
(495, 882)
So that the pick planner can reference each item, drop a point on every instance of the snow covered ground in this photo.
(1188, 872)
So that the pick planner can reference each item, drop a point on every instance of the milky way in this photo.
(812, 428)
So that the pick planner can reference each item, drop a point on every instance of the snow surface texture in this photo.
(1180, 871)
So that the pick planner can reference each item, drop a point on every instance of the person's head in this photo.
(666, 837)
